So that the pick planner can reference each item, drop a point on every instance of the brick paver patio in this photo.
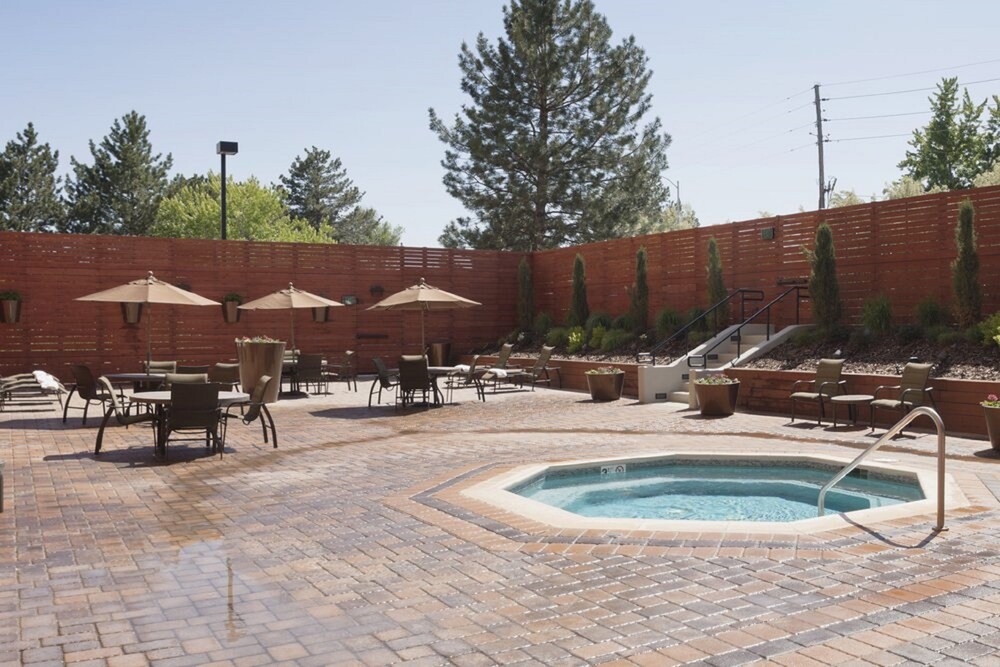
(352, 544)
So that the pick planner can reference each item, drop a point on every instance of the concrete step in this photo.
(678, 397)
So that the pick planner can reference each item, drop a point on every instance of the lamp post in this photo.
(678, 186)
(225, 148)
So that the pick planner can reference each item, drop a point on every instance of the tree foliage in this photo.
(907, 186)
(824, 290)
(319, 192)
(716, 285)
(525, 296)
(845, 198)
(254, 212)
(965, 269)
(550, 150)
(673, 218)
(29, 187)
(579, 311)
(639, 306)
(956, 145)
(121, 191)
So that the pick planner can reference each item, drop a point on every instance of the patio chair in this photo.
(227, 375)
(170, 379)
(309, 370)
(464, 378)
(86, 387)
(912, 391)
(161, 367)
(539, 373)
(826, 384)
(121, 411)
(255, 410)
(413, 379)
(194, 408)
(383, 380)
(346, 370)
(192, 370)
(503, 356)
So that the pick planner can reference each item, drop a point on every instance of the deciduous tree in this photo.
(551, 149)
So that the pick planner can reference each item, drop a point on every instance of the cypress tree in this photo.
(525, 296)
(716, 286)
(639, 308)
(579, 311)
(823, 287)
(965, 269)
(29, 187)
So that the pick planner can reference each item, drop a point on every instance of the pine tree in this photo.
(550, 151)
(29, 187)
(319, 192)
(716, 286)
(639, 307)
(525, 296)
(579, 311)
(965, 269)
(120, 192)
(824, 290)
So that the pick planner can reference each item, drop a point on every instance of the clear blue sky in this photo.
(357, 78)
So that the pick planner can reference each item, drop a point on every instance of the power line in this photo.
(926, 71)
(878, 136)
(900, 92)
(885, 115)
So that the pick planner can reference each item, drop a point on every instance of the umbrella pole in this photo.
(423, 346)
(149, 335)
(292, 311)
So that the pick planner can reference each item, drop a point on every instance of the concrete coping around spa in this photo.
(496, 492)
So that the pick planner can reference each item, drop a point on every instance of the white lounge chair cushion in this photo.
(47, 382)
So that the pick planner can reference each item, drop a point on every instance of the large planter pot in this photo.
(10, 310)
(231, 311)
(717, 400)
(605, 386)
(131, 312)
(993, 426)
(257, 359)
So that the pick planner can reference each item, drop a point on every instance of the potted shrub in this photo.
(717, 395)
(231, 307)
(259, 356)
(605, 383)
(10, 306)
(991, 406)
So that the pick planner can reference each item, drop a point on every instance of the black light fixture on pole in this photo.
(225, 148)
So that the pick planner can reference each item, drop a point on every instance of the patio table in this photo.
(161, 399)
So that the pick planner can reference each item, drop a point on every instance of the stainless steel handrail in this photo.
(892, 432)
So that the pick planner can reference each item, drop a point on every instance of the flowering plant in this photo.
(991, 401)
(604, 370)
(715, 379)
(257, 339)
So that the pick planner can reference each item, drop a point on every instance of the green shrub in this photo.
(557, 337)
(697, 336)
(615, 339)
(639, 306)
(988, 330)
(596, 335)
(909, 333)
(931, 334)
(575, 339)
(858, 341)
(624, 322)
(930, 313)
(824, 289)
(807, 337)
(579, 311)
(973, 335)
(950, 337)
(668, 321)
(693, 314)
(876, 315)
(542, 324)
(965, 269)
(598, 319)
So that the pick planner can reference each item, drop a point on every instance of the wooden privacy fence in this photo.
(50, 270)
(901, 248)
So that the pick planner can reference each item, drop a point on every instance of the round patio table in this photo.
(852, 401)
(162, 398)
(139, 381)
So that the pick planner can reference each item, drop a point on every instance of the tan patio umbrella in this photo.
(289, 299)
(149, 290)
(423, 297)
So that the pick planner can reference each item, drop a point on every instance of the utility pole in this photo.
(819, 148)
